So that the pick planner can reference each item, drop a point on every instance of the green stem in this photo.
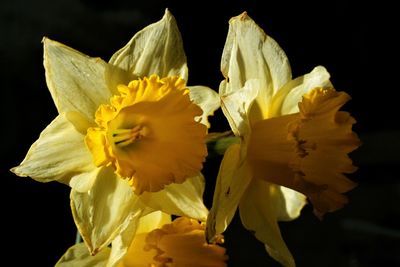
(78, 238)
(218, 143)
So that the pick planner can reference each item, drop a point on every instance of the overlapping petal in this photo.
(78, 255)
(232, 181)
(236, 105)
(157, 49)
(184, 199)
(127, 241)
(58, 154)
(259, 208)
(251, 54)
(76, 82)
(207, 99)
(290, 95)
(106, 210)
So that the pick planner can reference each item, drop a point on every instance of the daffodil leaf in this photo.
(184, 199)
(105, 211)
(157, 49)
(259, 211)
(76, 82)
(59, 154)
(232, 181)
(78, 255)
(207, 99)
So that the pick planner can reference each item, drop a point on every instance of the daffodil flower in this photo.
(157, 242)
(129, 137)
(293, 140)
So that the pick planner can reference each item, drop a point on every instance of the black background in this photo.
(354, 41)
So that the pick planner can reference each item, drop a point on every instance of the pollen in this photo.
(149, 134)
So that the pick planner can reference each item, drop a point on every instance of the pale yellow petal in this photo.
(84, 181)
(157, 49)
(259, 212)
(251, 54)
(106, 210)
(76, 82)
(59, 154)
(207, 99)
(153, 221)
(184, 199)
(78, 255)
(292, 202)
(288, 97)
(123, 242)
(232, 181)
(236, 105)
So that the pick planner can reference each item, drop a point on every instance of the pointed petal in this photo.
(292, 202)
(236, 105)
(207, 99)
(78, 255)
(59, 153)
(232, 181)
(259, 212)
(157, 49)
(76, 82)
(251, 54)
(122, 243)
(287, 99)
(105, 211)
(184, 199)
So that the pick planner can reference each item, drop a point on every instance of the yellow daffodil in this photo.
(293, 140)
(129, 137)
(157, 242)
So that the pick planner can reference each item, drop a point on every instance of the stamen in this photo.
(124, 137)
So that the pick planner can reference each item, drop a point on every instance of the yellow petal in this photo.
(259, 211)
(251, 54)
(153, 221)
(78, 255)
(105, 211)
(59, 153)
(288, 97)
(232, 181)
(184, 199)
(291, 203)
(236, 105)
(157, 49)
(76, 81)
(207, 99)
(122, 244)
(83, 182)
(135, 254)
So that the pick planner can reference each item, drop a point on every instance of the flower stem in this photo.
(78, 238)
(218, 143)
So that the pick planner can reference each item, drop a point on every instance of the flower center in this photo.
(149, 133)
(307, 151)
